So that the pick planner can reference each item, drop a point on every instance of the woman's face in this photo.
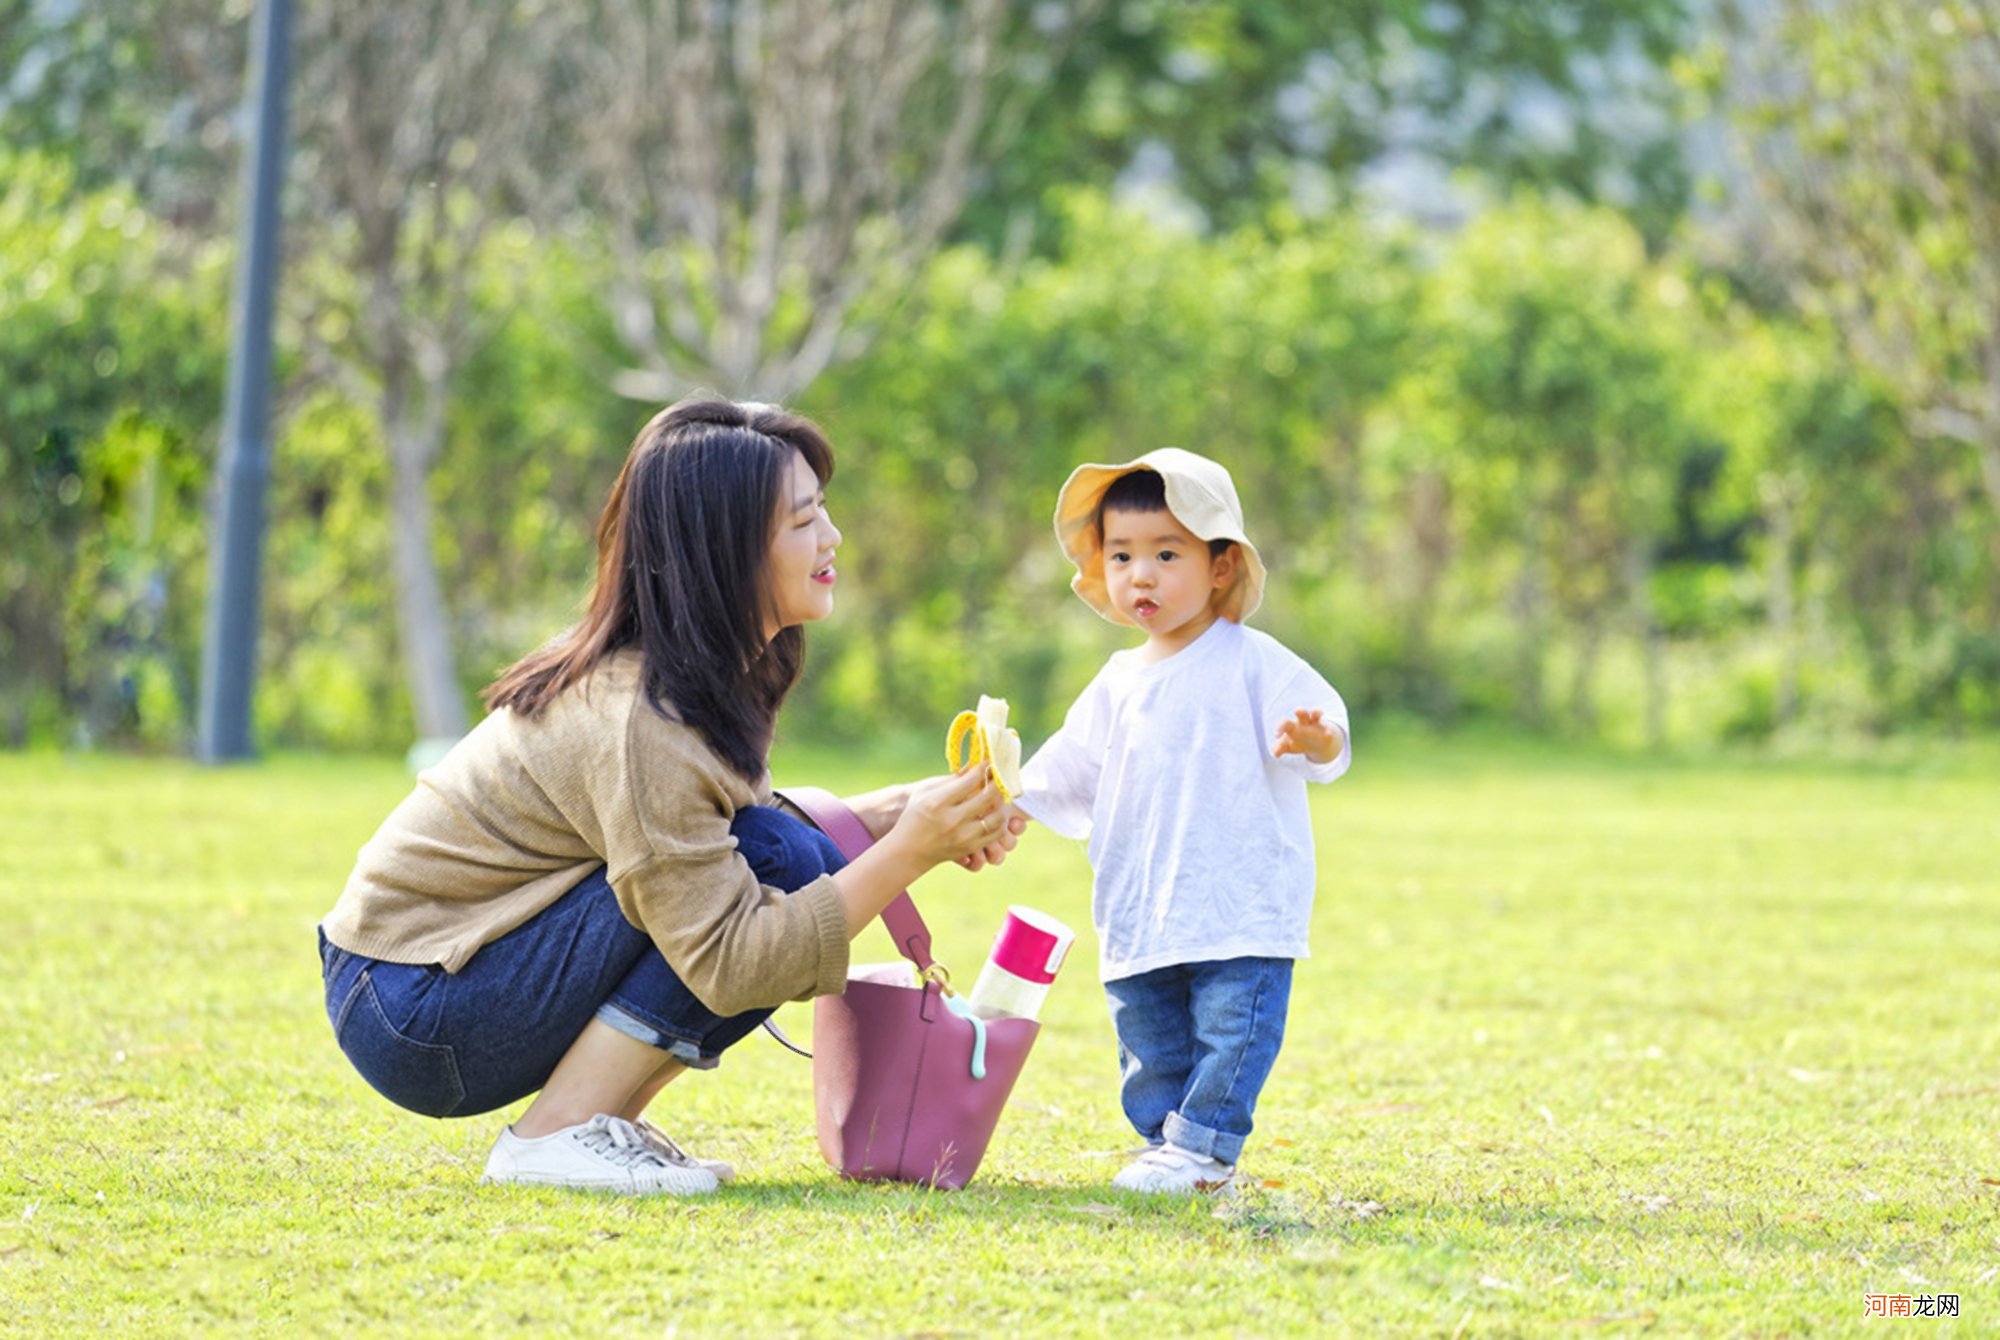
(802, 545)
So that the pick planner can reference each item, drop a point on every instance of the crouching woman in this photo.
(596, 889)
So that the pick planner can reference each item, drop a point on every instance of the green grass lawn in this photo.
(1588, 1046)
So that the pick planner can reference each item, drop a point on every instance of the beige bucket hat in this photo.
(1201, 496)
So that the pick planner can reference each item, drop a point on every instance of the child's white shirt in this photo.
(1200, 840)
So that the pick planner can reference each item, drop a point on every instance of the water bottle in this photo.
(1026, 955)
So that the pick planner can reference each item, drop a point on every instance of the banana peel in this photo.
(982, 737)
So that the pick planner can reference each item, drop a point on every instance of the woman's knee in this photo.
(784, 852)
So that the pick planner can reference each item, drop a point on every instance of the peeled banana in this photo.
(990, 742)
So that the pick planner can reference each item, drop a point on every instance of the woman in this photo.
(593, 892)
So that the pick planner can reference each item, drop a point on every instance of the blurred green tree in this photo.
(1552, 360)
(759, 172)
(137, 95)
(419, 131)
(110, 364)
(1873, 131)
(957, 432)
(416, 132)
(1253, 103)
(1807, 437)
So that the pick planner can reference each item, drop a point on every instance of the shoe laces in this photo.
(617, 1141)
(663, 1144)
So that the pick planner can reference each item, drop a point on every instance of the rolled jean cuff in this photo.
(1218, 1145)
(688, 1053)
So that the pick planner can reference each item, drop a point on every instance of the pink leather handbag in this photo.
(894, 1083)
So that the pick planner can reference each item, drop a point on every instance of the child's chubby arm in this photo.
(1307, 734)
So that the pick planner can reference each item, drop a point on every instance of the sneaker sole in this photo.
(1196, 1189)
(615, 1188)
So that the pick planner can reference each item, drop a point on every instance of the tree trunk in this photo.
(1430, 539)
(1639, 584)
(1583, 675)
(1783, 604)
(421, 615)
(1350, 501)
(1531, 614)
(1989, 469)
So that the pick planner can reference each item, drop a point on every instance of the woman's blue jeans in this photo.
(458, 1044)
(1196, 1041)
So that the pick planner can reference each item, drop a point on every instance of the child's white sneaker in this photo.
(1175, 1171)
(603, 1154)
(663, 1145)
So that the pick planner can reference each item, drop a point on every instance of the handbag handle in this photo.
(831, 817)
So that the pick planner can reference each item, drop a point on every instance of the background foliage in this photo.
(1605, 460)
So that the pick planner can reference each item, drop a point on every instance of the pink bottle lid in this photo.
(1031, 944)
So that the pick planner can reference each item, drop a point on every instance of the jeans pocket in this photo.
(421, 1076)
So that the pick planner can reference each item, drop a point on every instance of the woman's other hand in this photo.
(878, 810)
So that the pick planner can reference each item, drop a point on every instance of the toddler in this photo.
(1185, 764)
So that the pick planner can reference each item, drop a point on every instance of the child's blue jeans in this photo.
(1196, 1041)
(457, 1044)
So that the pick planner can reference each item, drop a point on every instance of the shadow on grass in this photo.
(1257, 1211)
(1277, 1214)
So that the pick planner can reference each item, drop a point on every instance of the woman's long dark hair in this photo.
(681, 553)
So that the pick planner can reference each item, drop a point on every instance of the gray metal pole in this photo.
(229, 647)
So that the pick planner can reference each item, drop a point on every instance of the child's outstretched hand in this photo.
(1013, 825)
(1306, 734)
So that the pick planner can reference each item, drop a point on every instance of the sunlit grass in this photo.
(1589, 1045)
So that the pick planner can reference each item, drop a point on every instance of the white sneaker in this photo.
(1175, 1171)
(604, 1154)
(663, 1145)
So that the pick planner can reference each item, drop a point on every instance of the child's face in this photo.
(1160, 576)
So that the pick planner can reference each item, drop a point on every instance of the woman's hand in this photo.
(879, 810)
(956, 818)
(952, 818)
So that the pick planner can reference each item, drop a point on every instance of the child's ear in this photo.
(1222, 568)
